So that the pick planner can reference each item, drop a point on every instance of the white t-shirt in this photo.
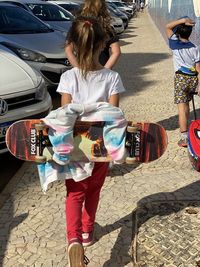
(185, 54)
(97, 87)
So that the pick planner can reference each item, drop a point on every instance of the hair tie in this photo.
(87, 22)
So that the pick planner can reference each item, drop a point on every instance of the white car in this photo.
(117, 24)
(122, 7)
(33, 41)
(23, 93)
(55, 16)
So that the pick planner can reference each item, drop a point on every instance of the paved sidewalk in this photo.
(32, 225)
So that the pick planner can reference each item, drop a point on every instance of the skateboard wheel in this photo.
(40, 126)
(130, 160)
(40, 159)
(132, 129)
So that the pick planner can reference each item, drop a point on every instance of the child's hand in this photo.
(189, 22)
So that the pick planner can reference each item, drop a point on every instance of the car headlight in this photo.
(41, 91)
(26, 54)
(29, 55)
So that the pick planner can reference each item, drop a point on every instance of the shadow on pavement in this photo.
(134, 66)
(120, 255)
(7, 224)
(189, 192)
(123, 43)
(122, 169)
(171, 123)
(127, 35)
(121, 248)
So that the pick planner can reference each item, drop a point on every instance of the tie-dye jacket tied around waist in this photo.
(61, 123)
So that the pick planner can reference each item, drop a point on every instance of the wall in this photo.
(163, 11)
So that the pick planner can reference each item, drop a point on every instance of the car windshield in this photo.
(113, 6)
(118, 4)
(50, 12)
(113, 10)
(15, 20)
(70, 7)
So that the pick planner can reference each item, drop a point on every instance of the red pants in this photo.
(82, 201)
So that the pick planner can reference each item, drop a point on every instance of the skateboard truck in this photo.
(41, 142)
(132, 143)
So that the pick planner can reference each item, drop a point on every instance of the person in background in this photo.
(79, 85)
(142, 6)
(111, 50)
(186, 57)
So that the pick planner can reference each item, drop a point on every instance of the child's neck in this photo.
(96, 64)
(183, 40)
(97, 67)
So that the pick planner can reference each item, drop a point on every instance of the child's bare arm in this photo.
(170, 26)
(114, 100)
(115, 53)
(66, 99)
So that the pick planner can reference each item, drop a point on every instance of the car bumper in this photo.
(38, 110)
(51, 72)
(119, 28)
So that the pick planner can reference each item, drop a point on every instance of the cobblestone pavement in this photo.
(32, 225)
(167, 234)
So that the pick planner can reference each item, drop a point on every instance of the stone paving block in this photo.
(167, 234)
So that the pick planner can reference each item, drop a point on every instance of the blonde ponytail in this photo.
(87, 35)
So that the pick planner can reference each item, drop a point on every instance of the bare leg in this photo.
(183, 113)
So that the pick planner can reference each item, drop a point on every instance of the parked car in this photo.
(129, 4)
(119, 14)
(69, 6)
(23, 92)
(55, 16)
(33, 41)
(117, 24)
(122, 7)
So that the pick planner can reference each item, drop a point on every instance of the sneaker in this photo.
(75, 254)
(183, 142)
(87, 239)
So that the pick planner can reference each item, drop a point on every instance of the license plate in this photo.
(3, 128)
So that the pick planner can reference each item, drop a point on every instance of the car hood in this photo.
(116, 20)
(15, 74)
(50, 44)
(63, 26)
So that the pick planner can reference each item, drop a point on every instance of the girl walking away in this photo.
(111, 50)
(85, 84)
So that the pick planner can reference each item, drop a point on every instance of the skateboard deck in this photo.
(28, 140)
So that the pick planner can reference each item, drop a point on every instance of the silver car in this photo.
(34, 42)
(116, 22)
(122, 7)
(55, 16)
(23, 93)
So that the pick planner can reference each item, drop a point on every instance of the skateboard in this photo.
(28, 140)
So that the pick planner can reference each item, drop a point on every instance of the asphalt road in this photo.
(9, 165)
